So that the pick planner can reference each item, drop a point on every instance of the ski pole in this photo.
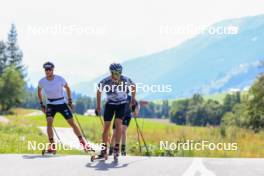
(100, 117)
(57, 135)
(79, 124)
(145, 144)
(139, 143)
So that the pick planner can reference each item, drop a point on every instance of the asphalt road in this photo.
(3, 119)
(36, 165)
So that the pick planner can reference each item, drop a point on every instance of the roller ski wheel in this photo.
(102, 156)
(98, 157)
(48, 152)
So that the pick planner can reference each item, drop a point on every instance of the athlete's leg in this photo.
(50, 113)
(125, 124)
(108, 116)
(120, 113)
(112, 142)
(124, 134)
(118, 130)
(67, 114)
(105, 135)
(111, 148)
(49, 129)
(75, 128)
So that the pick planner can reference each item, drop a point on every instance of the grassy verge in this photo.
(249, 143)
(16, 134)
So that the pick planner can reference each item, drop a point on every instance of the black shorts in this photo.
(111, 110)
(61, 108)
(127, 116)
(126, 120)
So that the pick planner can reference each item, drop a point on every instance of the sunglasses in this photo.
(48, 69)
(116, 73)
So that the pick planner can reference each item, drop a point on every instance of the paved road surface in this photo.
(3, 119)
(36, 165)
(67, 137)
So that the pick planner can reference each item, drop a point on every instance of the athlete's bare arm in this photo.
(98, 99)
(68, 91)
(40, 97)
(40, 94)
(133, 94)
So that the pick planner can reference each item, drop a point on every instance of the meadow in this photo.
(14, 136)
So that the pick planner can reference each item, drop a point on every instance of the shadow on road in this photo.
(38, 156)
(103, 166)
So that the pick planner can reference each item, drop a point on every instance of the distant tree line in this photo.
(245, 110)
(155, 110)
(81, 102)
(199, 112)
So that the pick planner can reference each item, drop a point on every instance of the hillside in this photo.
(206, 63)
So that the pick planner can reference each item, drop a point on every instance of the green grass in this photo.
(14, 139)
(217, 96)
(16, 134)
(250, 144)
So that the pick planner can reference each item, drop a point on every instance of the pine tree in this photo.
(3, 57)
(14, 54)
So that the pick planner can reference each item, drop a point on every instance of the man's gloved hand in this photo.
(43, 107)
(133, 107)
(97, 112)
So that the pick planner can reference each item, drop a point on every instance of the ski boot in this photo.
(123, 152)
(111, 150)
(51, 150)
(102, 155)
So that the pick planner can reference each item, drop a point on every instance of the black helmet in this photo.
(115, 67)
(48, 65)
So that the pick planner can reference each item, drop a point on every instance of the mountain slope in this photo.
(198, 64)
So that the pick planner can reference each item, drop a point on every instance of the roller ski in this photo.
(51, 150)
(103, 156)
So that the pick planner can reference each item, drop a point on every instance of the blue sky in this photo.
(82, 37)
